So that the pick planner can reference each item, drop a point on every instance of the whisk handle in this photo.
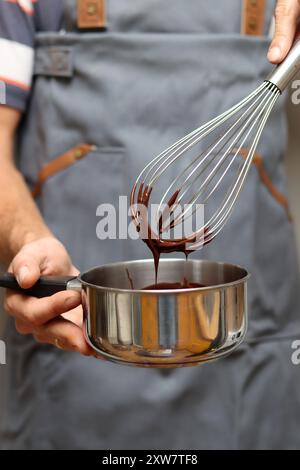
(286, 71)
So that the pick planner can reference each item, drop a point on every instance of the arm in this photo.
(31, 248)
(287, 16)
(21, 221)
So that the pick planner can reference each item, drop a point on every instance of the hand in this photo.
(55, 320)
(287, 16)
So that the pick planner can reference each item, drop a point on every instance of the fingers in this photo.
(46, 257)
(287, 16)
(55, 320)
(61, 333)
(23, 328)
(35, 312)
(26, 266)
(64, 335)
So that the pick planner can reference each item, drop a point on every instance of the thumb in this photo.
(26, 266)
(286, 15)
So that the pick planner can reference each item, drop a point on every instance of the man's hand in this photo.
(56, 320)
(26, 239)
(287, 16)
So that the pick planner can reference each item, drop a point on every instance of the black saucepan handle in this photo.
(45, 287)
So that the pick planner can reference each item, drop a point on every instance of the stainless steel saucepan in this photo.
(157, 328)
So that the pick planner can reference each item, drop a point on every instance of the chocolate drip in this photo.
(155, 243)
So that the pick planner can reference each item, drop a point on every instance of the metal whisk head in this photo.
(208, 165)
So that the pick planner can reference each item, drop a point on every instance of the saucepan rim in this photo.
(123, 264)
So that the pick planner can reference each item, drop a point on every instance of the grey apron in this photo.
(161, 68)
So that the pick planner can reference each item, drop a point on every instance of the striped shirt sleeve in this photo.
(17, 31)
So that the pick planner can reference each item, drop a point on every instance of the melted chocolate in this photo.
(155, 243)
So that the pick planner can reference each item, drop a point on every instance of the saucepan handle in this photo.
(45, 287)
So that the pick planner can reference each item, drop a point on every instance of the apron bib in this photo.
(159, 70)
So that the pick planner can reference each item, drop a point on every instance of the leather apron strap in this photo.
(85, 15)
(253, 17)
(91, 14)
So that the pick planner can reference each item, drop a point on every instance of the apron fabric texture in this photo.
(159, 70)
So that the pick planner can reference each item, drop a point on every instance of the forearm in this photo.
(21, 221)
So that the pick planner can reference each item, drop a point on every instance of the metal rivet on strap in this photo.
(78, 154)
(91, 9)
(253, 24)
